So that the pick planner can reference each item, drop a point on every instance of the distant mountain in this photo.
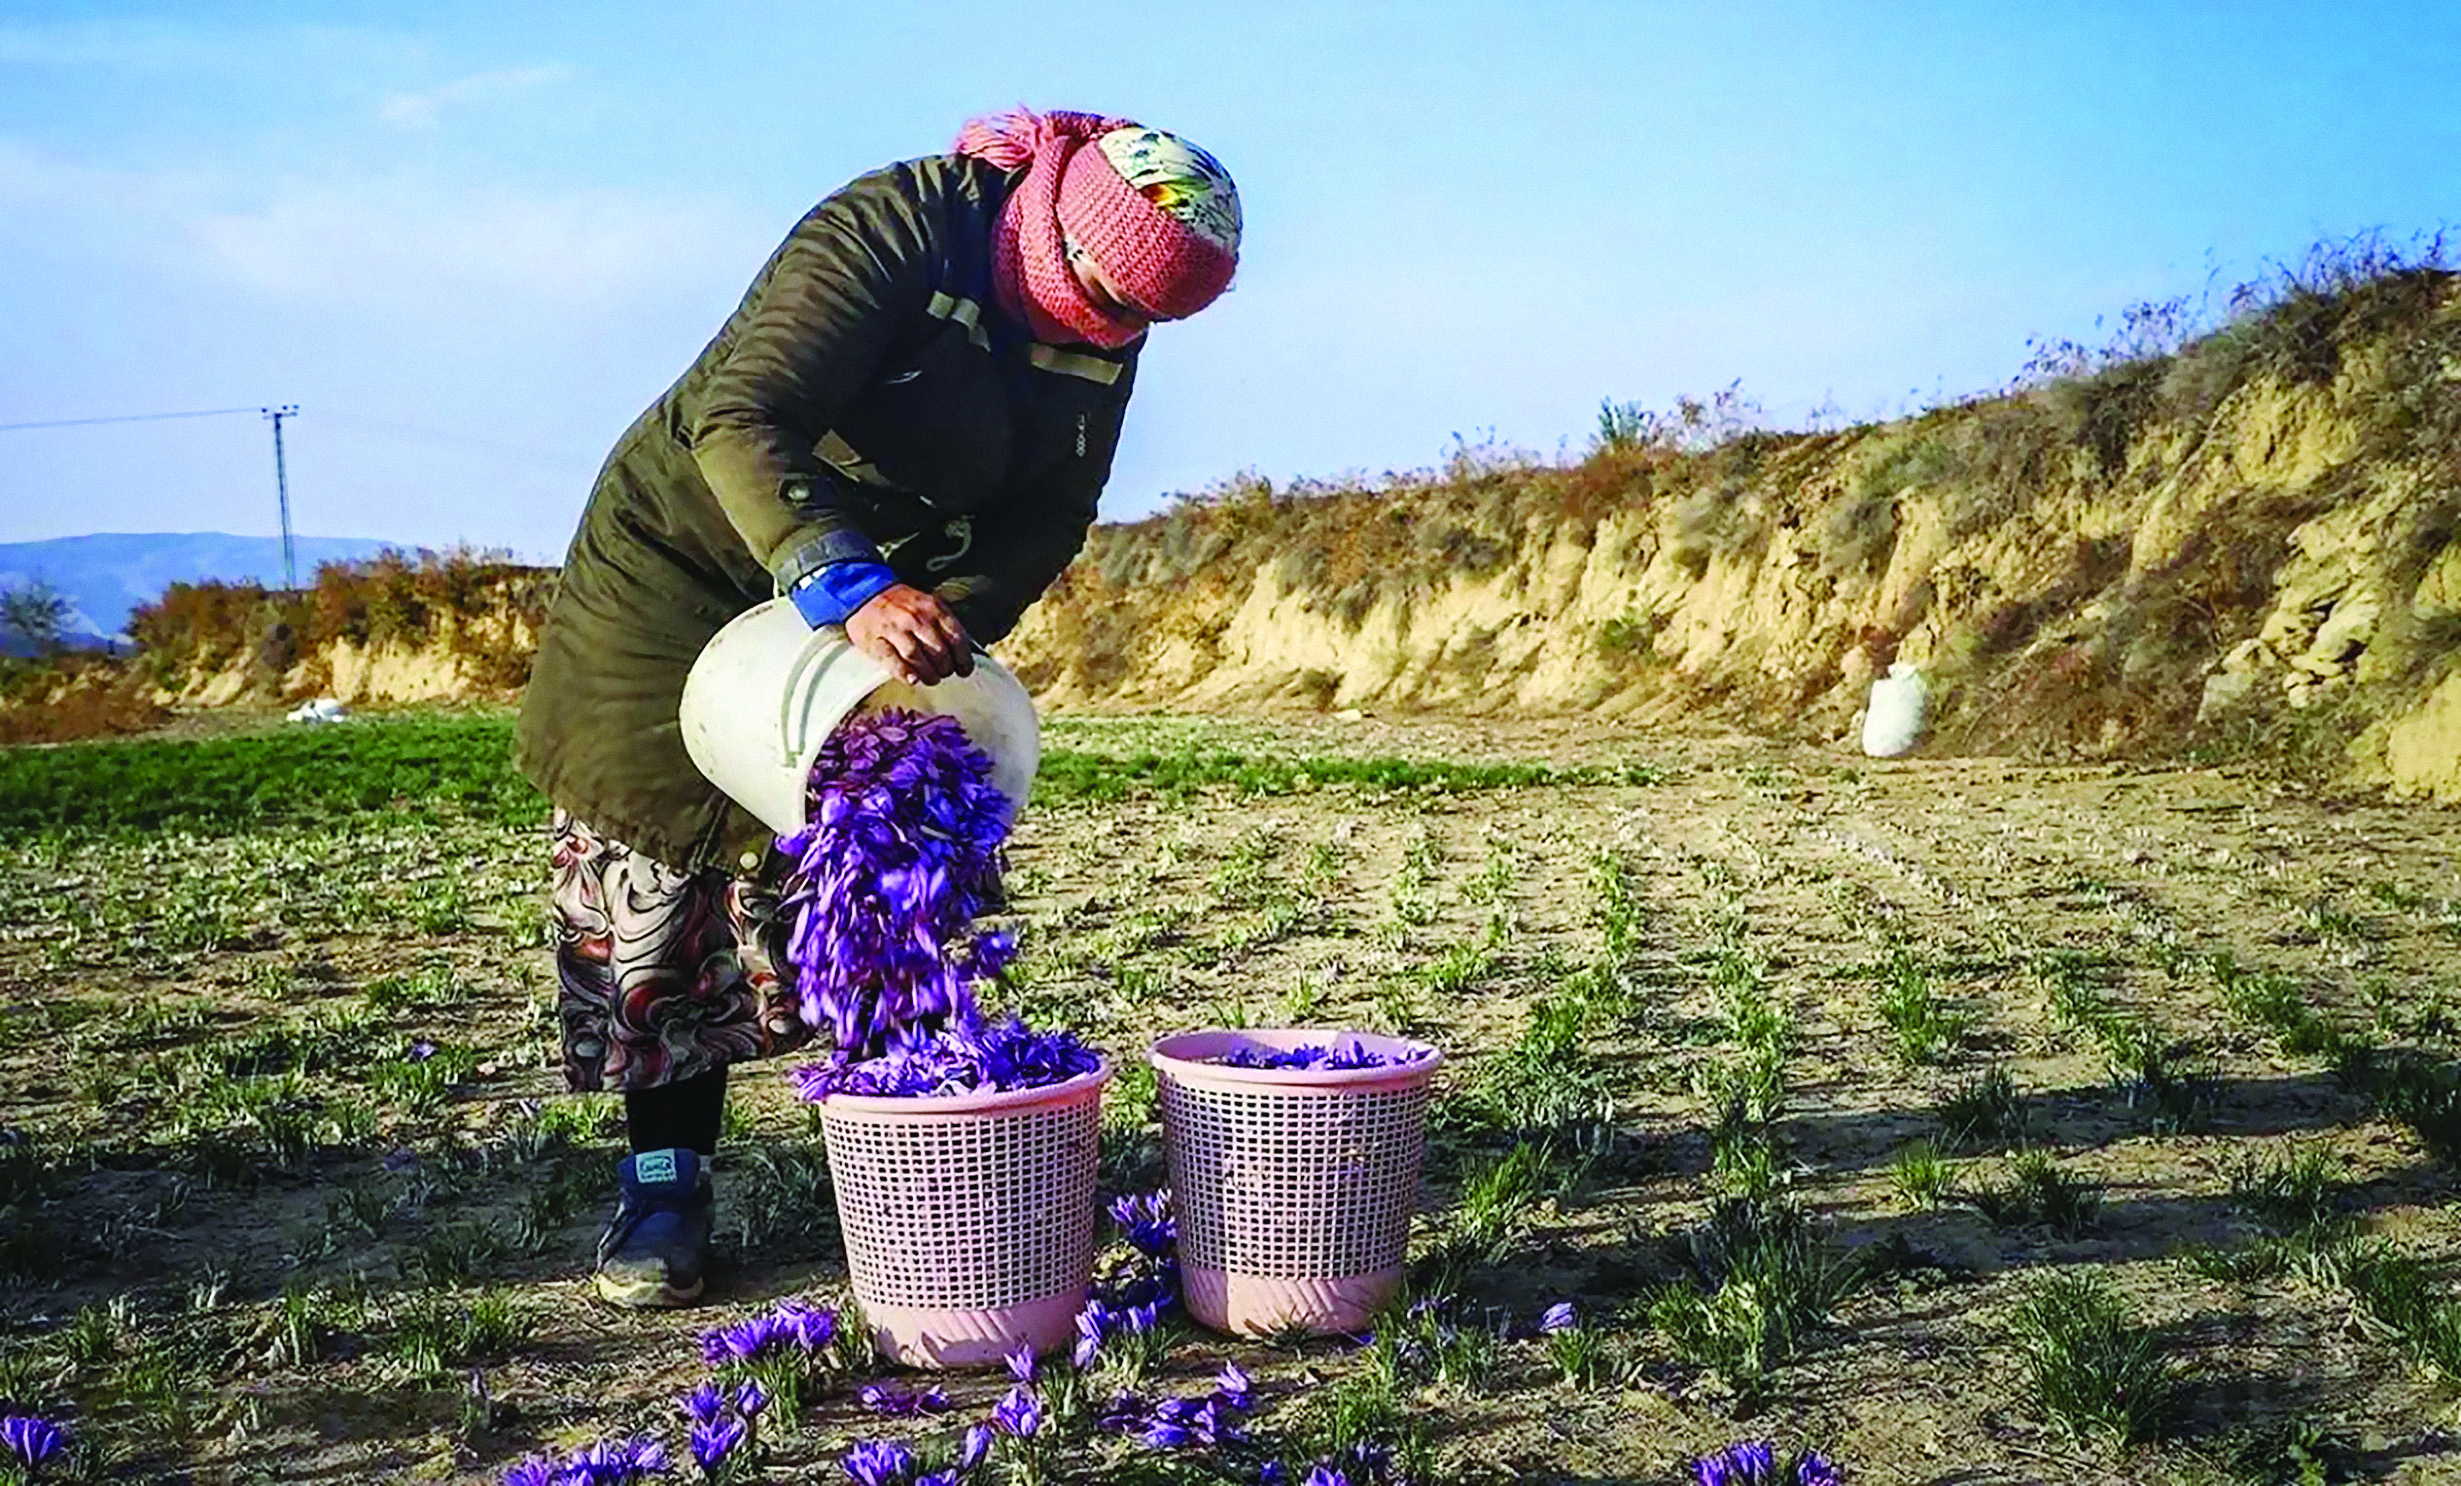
(107, 575)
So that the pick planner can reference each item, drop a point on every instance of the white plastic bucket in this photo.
(1893, 723)
(769, 689)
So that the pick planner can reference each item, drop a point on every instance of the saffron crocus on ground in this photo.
(721, 1423)
(715, 1440)
(1558, 1317)
(897, 1401)
(1021, 1362)
(1020, 1413)
(1177, 1423)
(1756, 1463)
(615, 1463)
(902, 852)
(804, 1328)
(32, 1440)
(1093, 1324)
(607, 1463)
(703, 1405)
(879, 1463)
(1146, 1223)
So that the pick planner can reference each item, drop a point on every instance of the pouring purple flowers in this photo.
(903, 853)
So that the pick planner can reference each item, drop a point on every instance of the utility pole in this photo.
(282, 488)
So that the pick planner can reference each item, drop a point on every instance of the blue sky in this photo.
(473, 240)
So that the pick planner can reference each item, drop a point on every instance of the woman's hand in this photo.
(912, 633)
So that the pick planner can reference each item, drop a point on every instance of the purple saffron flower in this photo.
(32, 1440)
(1811, 1468)
(1162, 1434)
(1142, 1318)
(537, 1470)
(1558, 1317)
(900, 1402)
(1273, 1473)
(977, 1447)
(740, 1342)
(750, 1399)
(1021, 1362)
(614, 1463)
(1744, 1463)
(1232, 1386)
(1325, 1475)
(813, 1327)
(1147, 1224)
(939, 1478)
(1020, 1413)
(795, 1324)
(879, 1463)
(713, 1441)
(1093, 1324)
(703, 1405)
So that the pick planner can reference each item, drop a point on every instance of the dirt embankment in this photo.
(402, 629)
(2245, 547)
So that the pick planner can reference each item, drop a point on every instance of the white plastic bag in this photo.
(1893, 723)
(323, 709)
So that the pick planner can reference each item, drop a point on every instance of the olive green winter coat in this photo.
(864, 395)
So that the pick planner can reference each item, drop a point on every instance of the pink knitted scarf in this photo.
(1159, 265)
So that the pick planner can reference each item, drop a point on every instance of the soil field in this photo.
(1970, 1122)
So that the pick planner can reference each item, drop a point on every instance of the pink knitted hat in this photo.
(1157, 215)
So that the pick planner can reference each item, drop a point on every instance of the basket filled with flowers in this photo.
(1294, 1159)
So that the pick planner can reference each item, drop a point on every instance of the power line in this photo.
(126, 418)
(549, 458)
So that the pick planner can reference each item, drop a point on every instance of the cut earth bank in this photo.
(2249, 548)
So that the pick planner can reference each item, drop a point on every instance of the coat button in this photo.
(751, 859)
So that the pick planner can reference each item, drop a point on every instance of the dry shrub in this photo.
(1720, 520)
(72, 697)
(478, 600)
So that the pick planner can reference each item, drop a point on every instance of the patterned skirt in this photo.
(662, 973)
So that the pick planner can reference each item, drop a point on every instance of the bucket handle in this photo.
(791, 716)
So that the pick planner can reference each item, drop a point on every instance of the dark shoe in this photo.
(657, 1245)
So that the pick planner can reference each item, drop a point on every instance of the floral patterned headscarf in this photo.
(1157, 215)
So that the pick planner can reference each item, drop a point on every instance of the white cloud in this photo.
(414, 242)
(420, 110)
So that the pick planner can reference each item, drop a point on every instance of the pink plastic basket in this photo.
(969, 1220)
(1294, 1188)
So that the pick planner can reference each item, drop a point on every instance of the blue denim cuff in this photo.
(821, 550)
(830, 595)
